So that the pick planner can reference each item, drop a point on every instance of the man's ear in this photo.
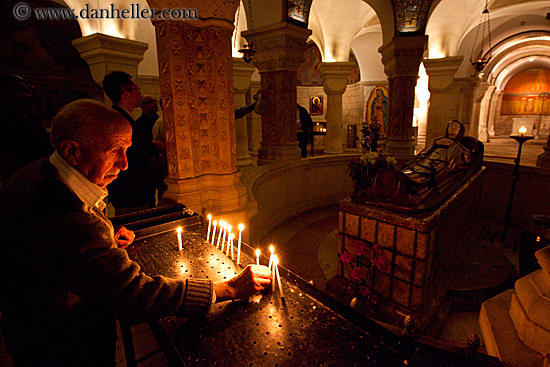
(70, 150)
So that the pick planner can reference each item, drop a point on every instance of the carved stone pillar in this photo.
(241, 84)
(401, 58)
(479, 93)
(483, 129)
(494, 111)
(107, 53)
(280, 48)
(196, 81)
(335, 80)
(444, 99)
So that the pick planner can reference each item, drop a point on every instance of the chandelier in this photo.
(485, 55)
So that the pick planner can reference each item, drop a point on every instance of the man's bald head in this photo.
(84, 121)
(93, 139)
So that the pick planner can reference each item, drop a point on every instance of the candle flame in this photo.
(179, 230)
(229, 228)
(275, 260)
(209, 216)
(223, 224)
(272, 249)
(258, 252)
(241, 227)
(215, 223)
(231, 236)
(522, 130)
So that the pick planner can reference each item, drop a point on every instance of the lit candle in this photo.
(225, 226)
(522, 130)
(209, 226)
(230, 243)
(214, 231)
(229, 229)
(180, 245)
(258, 256)
(241, 227)
(273, 274)
(272, 250)
(275, 265)
(220, 233)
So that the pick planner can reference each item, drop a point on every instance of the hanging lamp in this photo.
(485, 55)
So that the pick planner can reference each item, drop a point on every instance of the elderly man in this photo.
(63, 277)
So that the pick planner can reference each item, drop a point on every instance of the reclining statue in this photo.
(430, 177)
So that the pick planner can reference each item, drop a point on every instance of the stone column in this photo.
(196, 81)
(443, 102)
(279, 51)
(241, 84)
(107, 53)
(479, 93)
(494, 111)
(401, 58)
(335, 80)
(483, 129)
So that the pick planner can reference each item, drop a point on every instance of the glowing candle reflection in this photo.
(230, 243)
(241, 227)
(209, 226)
(220, 233)
(273, 273)
(276, 267)
(272, 250)
(180, 245)
(214, 231)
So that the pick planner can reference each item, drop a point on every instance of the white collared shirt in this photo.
(90, 194)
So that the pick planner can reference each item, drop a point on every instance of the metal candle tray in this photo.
(305, 328)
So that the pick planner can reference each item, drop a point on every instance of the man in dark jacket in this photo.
(64, 278)
(134, 190)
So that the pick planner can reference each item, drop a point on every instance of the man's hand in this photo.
(252, 279)
(124, 237)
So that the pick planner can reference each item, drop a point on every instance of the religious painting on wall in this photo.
(315, 105)
(377, 109)
(527, 93)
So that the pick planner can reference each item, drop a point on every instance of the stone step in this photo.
(500, 336)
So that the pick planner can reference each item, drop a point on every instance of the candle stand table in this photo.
(306, 327)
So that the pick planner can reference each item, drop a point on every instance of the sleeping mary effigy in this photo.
(430, 177)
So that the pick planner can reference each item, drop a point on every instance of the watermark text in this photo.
(23, 11)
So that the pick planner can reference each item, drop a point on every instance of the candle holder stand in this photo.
(503, 239)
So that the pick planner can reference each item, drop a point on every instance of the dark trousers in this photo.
(303, 141)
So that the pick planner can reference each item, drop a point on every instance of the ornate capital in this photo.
(278, 47)
(106, 53)
(241, 75)
(402, 56)
(442, 71)
(335, 76)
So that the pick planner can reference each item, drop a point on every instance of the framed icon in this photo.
(315, 105)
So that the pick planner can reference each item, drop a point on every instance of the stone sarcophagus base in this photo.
(423, 252)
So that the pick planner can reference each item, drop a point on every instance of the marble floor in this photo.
(307, 244)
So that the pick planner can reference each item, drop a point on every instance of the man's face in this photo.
(134, 95)
(103, 159)
(150, 107)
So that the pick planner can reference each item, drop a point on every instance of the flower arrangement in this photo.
(363, 259)
(363, 170)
